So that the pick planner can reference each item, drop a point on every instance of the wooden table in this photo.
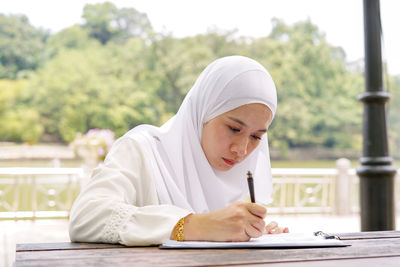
(367, 249)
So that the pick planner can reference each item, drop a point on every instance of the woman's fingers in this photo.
(257, 214)
(253, 222)
(273, 228)
(256, 210)
(253, 231)
(237, 222)
(258, 223)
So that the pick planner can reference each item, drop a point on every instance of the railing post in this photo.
(343, 187)
(34, 197)
(15, 205)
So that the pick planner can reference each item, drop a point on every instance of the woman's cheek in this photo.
(253, 145)
(224, 140)
(221, 134)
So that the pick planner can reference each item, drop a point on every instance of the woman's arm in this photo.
(236, 222)
(120, 204)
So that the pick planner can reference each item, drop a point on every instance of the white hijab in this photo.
(182, 174)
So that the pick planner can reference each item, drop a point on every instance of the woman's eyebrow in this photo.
(245, 125)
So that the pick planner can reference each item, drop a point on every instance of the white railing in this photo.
(30, 193)
(309, 190)
(314, 190)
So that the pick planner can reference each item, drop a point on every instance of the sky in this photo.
(340, 20)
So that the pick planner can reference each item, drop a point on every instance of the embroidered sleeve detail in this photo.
(115, 223)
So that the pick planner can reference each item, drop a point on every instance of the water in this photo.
(65, 163)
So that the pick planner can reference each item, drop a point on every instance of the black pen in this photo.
(251, 187)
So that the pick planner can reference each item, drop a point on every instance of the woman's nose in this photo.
(239, 146)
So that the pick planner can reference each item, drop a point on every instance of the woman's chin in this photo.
(223, 166)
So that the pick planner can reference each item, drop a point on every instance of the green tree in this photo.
(317, 96)
(21, 46)
(177, 63)
(18, 121)
(106, 22)
(92, 88)
(221, 43)
(74, 37)
(113, 72)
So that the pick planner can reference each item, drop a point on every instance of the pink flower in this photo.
(101, 151)
(98, 139)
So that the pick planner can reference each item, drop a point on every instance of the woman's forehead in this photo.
(253, 115)
(258, 108)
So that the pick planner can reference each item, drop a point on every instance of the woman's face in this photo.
(230, 137)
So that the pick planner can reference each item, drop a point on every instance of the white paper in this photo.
(265, 241)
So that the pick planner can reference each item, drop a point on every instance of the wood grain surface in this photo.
(378, 248)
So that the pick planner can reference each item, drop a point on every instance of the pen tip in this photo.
(249, 175)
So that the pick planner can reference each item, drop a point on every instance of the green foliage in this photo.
(18, 122)
(106, 22)
(74, 37)
(21, 46)
(317, 96)
(177, 63)
(82, 89)
(114, 73)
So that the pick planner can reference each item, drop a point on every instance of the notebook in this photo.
(286, 240)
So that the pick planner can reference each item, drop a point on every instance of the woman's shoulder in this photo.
(135, 145)
(127, 145)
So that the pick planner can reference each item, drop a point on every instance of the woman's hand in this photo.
(273, 228)
(236, 222)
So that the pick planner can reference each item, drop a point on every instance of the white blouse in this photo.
(153, 176)
(120, 204)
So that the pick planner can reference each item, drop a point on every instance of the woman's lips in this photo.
(229, 162)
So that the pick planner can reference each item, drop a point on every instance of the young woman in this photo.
(186, 180)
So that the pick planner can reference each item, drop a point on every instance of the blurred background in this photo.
(76, 75)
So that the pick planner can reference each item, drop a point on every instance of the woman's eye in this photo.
(233, 129)
(256, 137)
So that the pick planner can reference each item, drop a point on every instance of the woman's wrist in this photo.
(192, 228)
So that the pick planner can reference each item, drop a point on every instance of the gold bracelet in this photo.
(178, 233)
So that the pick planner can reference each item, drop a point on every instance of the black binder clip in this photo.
(325, 235)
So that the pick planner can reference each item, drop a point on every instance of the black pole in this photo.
(376, 172)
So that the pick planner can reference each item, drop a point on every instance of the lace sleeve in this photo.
(116, 222)
(140, 226)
